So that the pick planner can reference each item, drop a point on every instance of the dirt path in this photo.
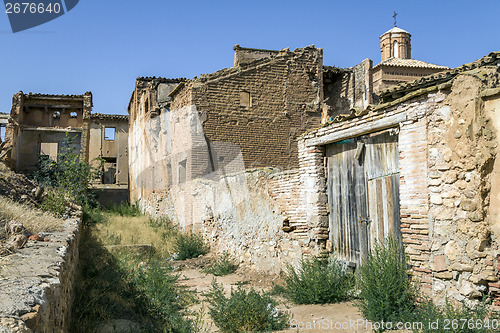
(342, 317)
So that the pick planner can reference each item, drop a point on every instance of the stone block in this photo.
(459, 267)
(439, 264)
(436, 199)
(450, 177)
(468, 205)
(444, 275)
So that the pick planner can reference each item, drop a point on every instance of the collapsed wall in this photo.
(37, 283)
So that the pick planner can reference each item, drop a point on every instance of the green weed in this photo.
(124, 284)
(223, 265)
(244, 311)
(190, 245)
(317, 281)
(477, 318)
(125, 209)
(386, 291)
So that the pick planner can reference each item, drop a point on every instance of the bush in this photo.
(244, 311)
(477, 318)
(222, 266)
(69, 178)
(386, 291)
(162, 298)
(190, 245)
(317, 281)
(125, 209)
(125, 284)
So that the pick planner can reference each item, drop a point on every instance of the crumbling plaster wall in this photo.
(448, 141)
(463, 145)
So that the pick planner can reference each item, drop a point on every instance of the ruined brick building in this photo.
(281, 156)
(38, 125)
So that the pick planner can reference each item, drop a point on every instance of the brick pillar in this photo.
(87, 110)
(414, 197)
(312, 226)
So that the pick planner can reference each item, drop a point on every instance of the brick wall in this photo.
(262, 107)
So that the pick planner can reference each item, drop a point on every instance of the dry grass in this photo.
(129, 230)
(35, 220)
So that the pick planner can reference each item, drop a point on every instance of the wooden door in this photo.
(382, 175)
(347, 201)
(363, 193)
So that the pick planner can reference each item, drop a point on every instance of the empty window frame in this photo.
(245, 99)
(2, 132)
(109, 133)
(49, 149)
(182, 171)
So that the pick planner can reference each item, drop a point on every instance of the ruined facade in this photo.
(39, 125)
(108, 148)
(244, 117)
(423, 168)
(216, 154)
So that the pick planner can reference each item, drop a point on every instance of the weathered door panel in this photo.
(382, 174)
(363, 193)
(347, 201)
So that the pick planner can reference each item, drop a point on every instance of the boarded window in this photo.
(49, 149)
(109, 133)
(182, 171)
(245, 99)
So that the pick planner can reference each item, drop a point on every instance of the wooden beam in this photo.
(354, 131)
(58, 106)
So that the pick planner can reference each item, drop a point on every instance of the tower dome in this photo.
(395, 43)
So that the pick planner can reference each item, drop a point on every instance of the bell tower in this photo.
(395, 43)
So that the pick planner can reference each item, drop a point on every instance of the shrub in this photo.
(125, 209)
(190, 245)
(162, 298)
(478, 318)
(244, 311)
(386, 291)
(124, 284)
(222, 266)
(69, 178)
(317, 281)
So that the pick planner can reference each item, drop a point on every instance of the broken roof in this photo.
(407, 90)
(160, 79)
(227, 72)
(37, 95)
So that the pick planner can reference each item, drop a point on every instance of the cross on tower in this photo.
(395, 14)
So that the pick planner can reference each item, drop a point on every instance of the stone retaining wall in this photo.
(37, 283)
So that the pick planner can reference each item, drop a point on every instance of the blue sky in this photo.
(102, 46)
